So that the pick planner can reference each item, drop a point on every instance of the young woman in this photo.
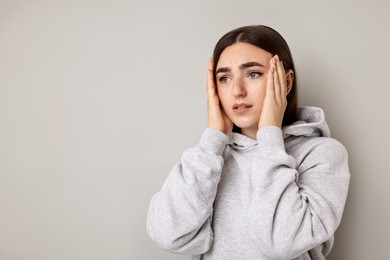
(266, 181)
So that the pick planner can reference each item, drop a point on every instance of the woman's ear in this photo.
(289, 80)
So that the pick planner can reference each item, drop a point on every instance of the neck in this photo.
(249, 132)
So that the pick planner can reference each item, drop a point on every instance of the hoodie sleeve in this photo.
(295, 208)
(180, 214)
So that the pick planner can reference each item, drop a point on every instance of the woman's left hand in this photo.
(275, 101)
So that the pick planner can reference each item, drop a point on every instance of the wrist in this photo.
(269, 123)
(271, 141)
(213, 140)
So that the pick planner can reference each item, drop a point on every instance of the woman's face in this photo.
(241, 76)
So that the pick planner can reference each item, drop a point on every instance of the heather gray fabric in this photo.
(278, 197)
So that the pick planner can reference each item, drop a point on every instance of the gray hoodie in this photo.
(278, 197)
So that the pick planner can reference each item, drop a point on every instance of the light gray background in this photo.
(98, 99)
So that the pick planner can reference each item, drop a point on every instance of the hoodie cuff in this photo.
(270, 140)
(213, 140)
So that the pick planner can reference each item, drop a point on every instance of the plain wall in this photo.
(98, 100)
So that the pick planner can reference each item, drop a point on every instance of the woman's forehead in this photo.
(239, 53)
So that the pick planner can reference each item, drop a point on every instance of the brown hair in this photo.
(271, 41)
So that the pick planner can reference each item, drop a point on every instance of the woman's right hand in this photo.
(216, 116)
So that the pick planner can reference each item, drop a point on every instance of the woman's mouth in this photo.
(241, 108)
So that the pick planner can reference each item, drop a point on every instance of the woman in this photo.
(266, 181)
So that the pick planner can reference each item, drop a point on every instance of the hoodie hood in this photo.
(311, 122)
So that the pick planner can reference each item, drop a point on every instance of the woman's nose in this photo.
(238, 89)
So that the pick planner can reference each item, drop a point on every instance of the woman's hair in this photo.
(271, 41)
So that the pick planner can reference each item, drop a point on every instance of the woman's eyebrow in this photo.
(222, 69)
(250, 64)
(242, 66)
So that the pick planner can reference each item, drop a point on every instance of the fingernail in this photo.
(277, 57)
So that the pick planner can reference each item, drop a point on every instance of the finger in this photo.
(210, 79)
(276, 79)
(270, 91)
(282, 78)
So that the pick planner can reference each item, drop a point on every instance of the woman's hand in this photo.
(216, 116)
(275, 101)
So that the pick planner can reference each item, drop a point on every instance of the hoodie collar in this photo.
(241, 142)
(311, 122)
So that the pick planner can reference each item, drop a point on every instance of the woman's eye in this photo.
(223, 79)
(254, 75)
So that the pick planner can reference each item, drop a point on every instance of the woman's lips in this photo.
(241, 108)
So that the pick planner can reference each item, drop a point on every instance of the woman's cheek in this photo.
(258, 91)
(258, 83)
